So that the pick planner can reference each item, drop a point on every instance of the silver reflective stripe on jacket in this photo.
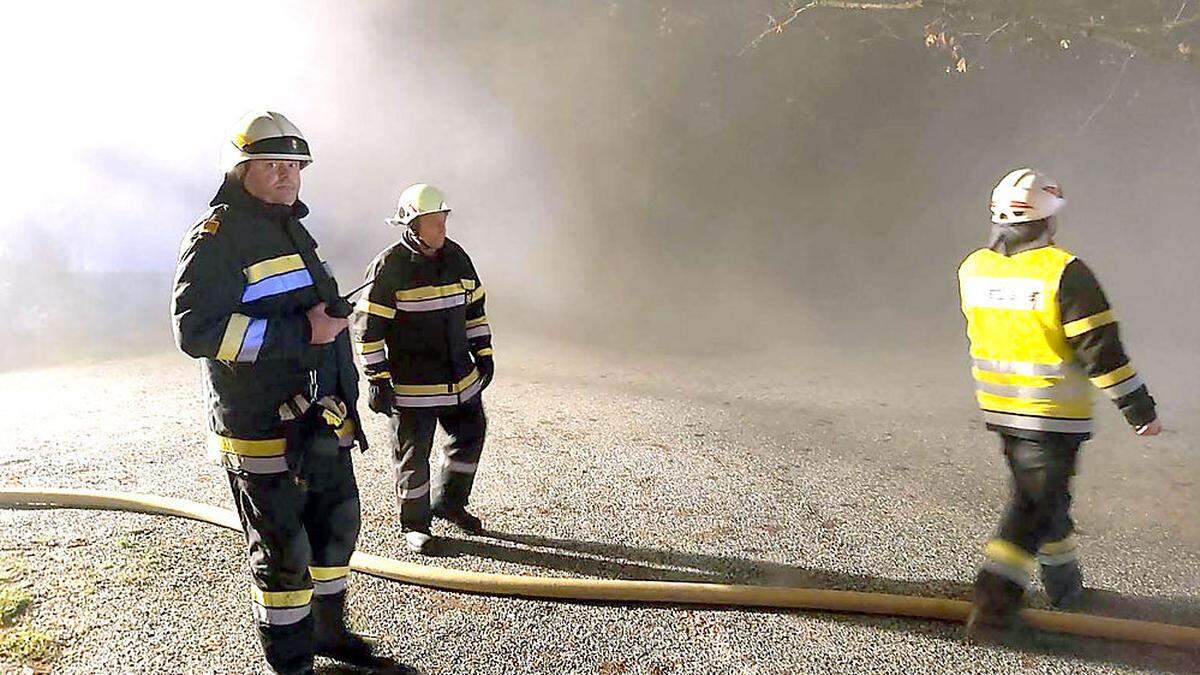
(1122, 388)
(478, 332)
(437, 400)
(1034, 423)
(1069, 389)
(1021, 368)
(431, 305)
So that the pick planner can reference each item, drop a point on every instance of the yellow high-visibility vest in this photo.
(1026, 375)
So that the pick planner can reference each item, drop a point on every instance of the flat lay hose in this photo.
(625, 591)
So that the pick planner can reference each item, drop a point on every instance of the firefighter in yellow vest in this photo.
(1042, 336)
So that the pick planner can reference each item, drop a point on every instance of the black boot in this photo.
(288, 649)
(1064, 584)
(331, 638)
(460, 518)
(451, 504)
(997, 602)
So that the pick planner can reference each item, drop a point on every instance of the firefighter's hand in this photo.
(380, 396)
(1154, 428)
(487, 368)
(325, 328)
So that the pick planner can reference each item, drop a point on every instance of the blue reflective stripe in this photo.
(280, 283)
(253, 342)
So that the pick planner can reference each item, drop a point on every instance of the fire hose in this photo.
(626, 591)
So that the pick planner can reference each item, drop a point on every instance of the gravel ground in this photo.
(604, 465)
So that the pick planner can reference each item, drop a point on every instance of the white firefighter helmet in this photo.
(417, 200)
(264, 135)
(1026, 195)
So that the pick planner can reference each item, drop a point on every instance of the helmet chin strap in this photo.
(426, 249)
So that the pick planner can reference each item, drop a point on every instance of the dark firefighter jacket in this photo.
(421, 324)
(241, 293)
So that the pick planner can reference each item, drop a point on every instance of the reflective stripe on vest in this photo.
(1025, 372)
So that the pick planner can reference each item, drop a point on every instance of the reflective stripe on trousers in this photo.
(1009, 561)
(1062, 552)
(280, 608)
(329, 580)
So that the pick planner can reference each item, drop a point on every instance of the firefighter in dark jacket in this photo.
(426, 346)
(253, 302)
(1042, 336)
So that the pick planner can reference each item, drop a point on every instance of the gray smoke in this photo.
(620, 174)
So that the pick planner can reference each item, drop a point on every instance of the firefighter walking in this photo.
(1042, 336)
(250, 302)
(425, 343)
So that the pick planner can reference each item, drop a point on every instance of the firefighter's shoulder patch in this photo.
(211, 221)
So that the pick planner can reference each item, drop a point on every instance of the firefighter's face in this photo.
(274, 181)
(431, 228)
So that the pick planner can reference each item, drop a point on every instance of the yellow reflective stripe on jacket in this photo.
(1064, 391)
(1124, 388)
(431, 389)
(1114, 376)
(1077, 408)
(235, 333)
(430, 292)
(368, 307)
(1081, 326)
(433, 396)
(486, 351)
(476, 294)
(471, 323)
(269, 268)
(369, 347)
(346, 433)
(281, 598)
(271, 447)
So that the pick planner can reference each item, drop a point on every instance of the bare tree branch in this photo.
(776, 26)
(1049, 24)
(1111, 92)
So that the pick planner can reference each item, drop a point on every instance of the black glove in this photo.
(379, 398)
(487, 368)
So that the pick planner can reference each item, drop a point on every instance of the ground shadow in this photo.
(616, 561)
(385, 666)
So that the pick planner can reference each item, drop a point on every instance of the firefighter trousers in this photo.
(412, 442)
(300, 530)
(1036, 531)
